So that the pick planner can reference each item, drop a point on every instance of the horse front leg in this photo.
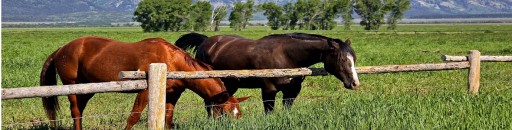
(141, 101)
(268, 100)
(208, 107)
(77, 106)
(291, 91)
(170, 103)
(268, 93)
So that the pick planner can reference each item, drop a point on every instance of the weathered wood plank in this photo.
(156, 90)
(474, 71)
(482, 58)
(411, 68)
(296, 72)
(46, 91)
(400, 68)
(222, 73)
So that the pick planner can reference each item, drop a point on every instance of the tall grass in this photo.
(416, 100)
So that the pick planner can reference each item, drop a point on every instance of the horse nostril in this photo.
(348, 86)
(356, 83)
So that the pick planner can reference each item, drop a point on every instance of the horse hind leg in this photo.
(170, 103)
(141, 101)
(77, 106)
(77, 103)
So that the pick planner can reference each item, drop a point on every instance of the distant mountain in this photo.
(67, 10)
(122, 10)
(459, 8)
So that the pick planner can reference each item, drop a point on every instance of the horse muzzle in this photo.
(352, 85)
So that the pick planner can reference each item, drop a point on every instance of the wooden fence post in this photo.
(474, 71)
(156, 88)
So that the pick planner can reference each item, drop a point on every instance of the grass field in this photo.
(415, 100)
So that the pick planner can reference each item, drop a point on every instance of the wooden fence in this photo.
(157, 76)
(482, 58)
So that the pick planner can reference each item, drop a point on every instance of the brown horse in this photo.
(294, 50)
(97, 59)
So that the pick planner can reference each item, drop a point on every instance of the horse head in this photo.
(230, 107)
(339, 60)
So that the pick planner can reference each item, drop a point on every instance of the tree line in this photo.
(171, 15)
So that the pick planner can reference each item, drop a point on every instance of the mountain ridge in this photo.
(122, 10)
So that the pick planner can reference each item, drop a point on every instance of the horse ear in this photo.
(348, 42)
(243, 98)
(333, 45)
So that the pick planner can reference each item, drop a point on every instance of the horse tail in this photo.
(191, 40)
(49, 77)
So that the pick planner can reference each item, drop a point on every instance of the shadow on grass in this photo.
(41, 126)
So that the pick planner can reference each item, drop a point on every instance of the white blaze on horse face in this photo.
(353, 68)
(235, 112)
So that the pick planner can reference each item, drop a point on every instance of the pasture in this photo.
(415, 100)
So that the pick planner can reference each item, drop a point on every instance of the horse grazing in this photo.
(97, 59)
(278, 51)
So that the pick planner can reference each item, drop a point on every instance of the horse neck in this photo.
(306, 53)
(208, 88)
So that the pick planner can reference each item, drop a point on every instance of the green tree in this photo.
(289, 17)
(273, 13)
(396, 10)
(168, 15)
(248, 10)
(178, 15)
(151, 16)
(300, 12)
(318, 14)
(312, 9)
(329, 11)
(218, 14)
(346, 10)
(371, 13)
(236, 17)
(201, 15)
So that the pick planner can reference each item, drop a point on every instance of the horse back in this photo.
(234, 52)
(217, 50)
(97, 59)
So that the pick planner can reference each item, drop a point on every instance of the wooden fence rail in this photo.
(266, 73)
(61, 90)
(222, 74)
(119, 86)
(482, 58)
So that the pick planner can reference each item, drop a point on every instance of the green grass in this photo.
(413, 100)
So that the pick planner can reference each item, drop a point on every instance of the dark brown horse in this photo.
(97, 59)
(294, 50)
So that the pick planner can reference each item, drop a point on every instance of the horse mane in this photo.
(194, 62)
(301, 36)
(188, 58)
(306, 36)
